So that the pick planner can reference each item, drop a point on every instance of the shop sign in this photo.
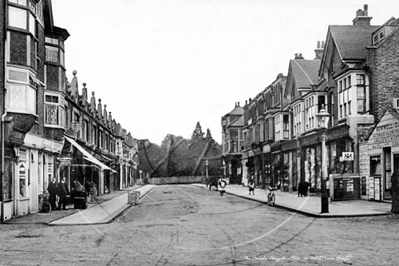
(347, 156)
(386, 133)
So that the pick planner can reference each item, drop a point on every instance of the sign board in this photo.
(385, 134)
(22, 171)
(348, 156)
(377, 189)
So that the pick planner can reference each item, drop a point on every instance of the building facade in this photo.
(354, 77)
(45, 122)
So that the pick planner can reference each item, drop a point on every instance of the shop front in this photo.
(290, 173)
(383, 151)
(84, 167)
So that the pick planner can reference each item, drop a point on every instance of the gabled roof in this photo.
(239, 122)
(305, 71)
(238, 110)
(352, 40)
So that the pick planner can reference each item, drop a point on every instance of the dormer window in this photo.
(378, 37)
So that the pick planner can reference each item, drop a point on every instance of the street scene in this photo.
(199, 132)
(191, 225)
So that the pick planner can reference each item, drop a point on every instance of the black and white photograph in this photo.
(199, 132)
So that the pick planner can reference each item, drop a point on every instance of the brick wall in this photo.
(384, 75)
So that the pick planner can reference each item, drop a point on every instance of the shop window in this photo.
(22, 181)
(375, 165)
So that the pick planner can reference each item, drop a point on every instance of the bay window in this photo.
(20, 96)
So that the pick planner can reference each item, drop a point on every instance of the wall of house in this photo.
(384, 78)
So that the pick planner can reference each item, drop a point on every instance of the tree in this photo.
(208, 134)
(197, 134)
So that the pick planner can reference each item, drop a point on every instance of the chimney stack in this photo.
(298, 56)
(319, 50)
(362, 17)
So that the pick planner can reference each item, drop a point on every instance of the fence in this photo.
(177, 180)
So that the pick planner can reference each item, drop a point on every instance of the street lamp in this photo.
(322, 118)
(140, 176)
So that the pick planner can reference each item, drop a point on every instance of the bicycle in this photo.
(271, 198)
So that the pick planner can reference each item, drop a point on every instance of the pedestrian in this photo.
(306, 186)
(93, 191)
(63, 192)
(251, 186)
(53, 191)
(394, 193)
(222, 184)
(300, 189)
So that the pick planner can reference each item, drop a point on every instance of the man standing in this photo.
(52, 190)
(62, 192)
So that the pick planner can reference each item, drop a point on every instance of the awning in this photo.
(88, 156)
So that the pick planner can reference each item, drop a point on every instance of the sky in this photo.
(161, 66)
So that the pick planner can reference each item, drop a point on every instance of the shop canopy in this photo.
(88, 156)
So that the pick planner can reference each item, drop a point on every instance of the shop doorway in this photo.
(387, 173)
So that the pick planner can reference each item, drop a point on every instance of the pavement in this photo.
(311, 205)
(109, 206)
(101, 211)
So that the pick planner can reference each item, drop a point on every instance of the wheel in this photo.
(46, 207)
(273, 200)
(269, 198)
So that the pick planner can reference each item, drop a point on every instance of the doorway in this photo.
(387, 173)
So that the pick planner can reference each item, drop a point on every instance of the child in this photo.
(222, 184)
(251, 186)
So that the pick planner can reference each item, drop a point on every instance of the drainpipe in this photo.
(3, 51)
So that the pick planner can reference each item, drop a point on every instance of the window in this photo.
(17, 17)
(361, 93)
(86, 130)
(345, 98)
(52, 54)
(378, 37)
(19, 2)
(22, 179)
(32, 24)
(277, 127)
(20, 96)
(54, 111)
(286, 127)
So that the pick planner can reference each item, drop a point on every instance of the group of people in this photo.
(302, 188)
(59, 192)
(58, 189)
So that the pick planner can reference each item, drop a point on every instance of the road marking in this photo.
(252, 240)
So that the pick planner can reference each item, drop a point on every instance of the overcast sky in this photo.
(161, 66)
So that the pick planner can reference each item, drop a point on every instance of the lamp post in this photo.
(140, 176)
(322, 117)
